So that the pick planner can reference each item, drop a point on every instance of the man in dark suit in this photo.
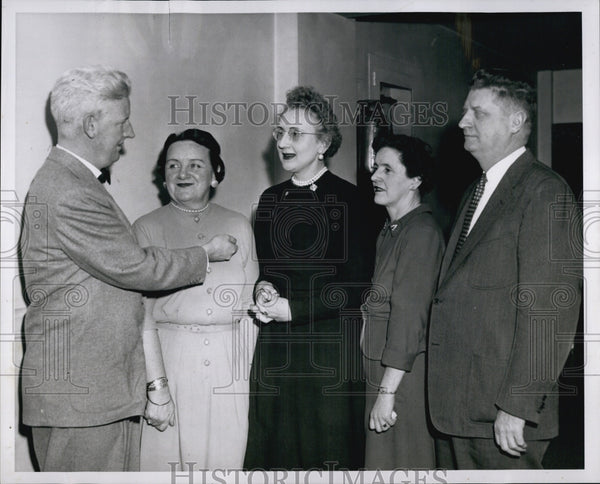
(83, 378)
(508, 297)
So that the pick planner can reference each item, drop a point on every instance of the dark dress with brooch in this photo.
(307, 389)
(407, 265)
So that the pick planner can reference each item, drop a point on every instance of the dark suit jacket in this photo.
(84, 362)
(407, 265)
(506, 308)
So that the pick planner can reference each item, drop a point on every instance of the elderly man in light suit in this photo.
(84, 382)
(508, 297)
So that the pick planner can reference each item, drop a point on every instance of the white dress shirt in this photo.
(86, 163)
(494, 176)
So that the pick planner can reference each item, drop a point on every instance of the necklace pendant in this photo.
(313, 187)
(196, 219)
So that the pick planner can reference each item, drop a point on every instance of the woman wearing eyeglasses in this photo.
(307, 394)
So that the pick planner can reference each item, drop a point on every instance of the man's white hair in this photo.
(81, 91)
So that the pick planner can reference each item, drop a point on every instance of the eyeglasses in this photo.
(294, 133)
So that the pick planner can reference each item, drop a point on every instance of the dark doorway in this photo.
(567, 154)
(567, 451)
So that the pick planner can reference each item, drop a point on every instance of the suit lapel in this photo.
(87, 179)
(455, 234)
(497, 204)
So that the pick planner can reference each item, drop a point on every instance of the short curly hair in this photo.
(415, 155)
(203, 138)
(307, 98)
(512, 91)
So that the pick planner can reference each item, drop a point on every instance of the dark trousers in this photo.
(114, 447)
(457, 453)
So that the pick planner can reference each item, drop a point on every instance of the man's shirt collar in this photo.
(86, 163)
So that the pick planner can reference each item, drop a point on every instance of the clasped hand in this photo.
(160, 416)
(269, 305)
(382, 416)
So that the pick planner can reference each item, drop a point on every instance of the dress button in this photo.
(206, 342)
(436, 300)
(209, 290)
(206, 363)
(209, 311)
(200, 236)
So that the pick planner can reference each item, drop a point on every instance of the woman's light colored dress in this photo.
(207, 341)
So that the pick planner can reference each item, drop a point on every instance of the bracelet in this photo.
(157, 384)
(161, 404)
(385, 391)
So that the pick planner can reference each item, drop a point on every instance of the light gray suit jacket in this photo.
(506, 308)
(84, 361)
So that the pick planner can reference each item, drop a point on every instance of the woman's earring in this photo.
(164, 184)
(214, 183)
(320, 157)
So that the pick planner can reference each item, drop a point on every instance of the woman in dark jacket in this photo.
(307, 393)
(408, 257)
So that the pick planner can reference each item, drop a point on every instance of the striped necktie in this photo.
(470, 211)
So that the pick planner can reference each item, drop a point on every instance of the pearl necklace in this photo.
(196, 211)
(310, 181)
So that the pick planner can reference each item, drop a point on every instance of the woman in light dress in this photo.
(198, 340)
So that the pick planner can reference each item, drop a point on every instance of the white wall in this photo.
(327, 62)
(164, 55)
(216, 58)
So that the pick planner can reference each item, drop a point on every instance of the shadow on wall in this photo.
(50, 123)
(455, 170)
(273, 168)
(158, 182)
(272, 163)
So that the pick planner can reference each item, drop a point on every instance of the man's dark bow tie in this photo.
(104, 176)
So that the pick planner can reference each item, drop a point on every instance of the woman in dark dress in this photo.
(307, 391)
(407, 262)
